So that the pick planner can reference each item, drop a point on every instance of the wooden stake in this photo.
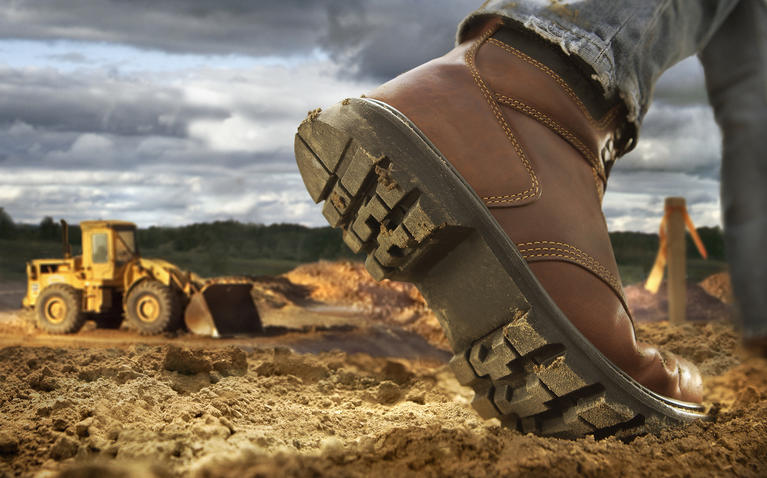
(677, 266)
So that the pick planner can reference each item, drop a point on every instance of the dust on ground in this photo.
(118, 405)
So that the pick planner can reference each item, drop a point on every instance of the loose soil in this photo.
(350, 380)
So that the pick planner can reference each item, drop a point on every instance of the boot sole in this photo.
(398, 200)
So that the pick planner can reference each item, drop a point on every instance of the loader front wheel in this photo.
(153, 308)
(59, 309)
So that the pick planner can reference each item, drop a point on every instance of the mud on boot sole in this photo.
(400, 202)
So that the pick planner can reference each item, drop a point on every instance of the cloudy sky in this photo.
(173, 112)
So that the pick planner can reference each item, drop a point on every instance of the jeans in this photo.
(630, 43)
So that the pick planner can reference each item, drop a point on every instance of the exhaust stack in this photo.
(65, 239)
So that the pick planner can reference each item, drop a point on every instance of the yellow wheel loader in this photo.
(110, 281)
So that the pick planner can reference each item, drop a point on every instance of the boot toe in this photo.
(690, 381)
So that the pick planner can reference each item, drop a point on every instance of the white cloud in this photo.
(266, 103)
(238, 133)
(158, 198)
(90, 144)
(10, 193)
(635, 199)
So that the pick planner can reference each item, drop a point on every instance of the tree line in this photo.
(299, 243)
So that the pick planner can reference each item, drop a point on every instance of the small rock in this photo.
(61, 404)
(234, 361)
(42, 380)
(417, 397)
(97, 444)
(125, 373)
(111, 450)
(388, 392)
(208, 431)
(331, 446)
(397, 372)
(64, 448)
(90, 374)
(9, 444)
(185, 361)
(82, 429)
(113, 433)
(59, 424)
(215, 377)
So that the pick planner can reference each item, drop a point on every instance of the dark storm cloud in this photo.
(383, 39)
(677, 137)
(95, 102)
(372, 38)
(181, 26)
(24, 146)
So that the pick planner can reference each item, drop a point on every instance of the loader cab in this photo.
(107, 247)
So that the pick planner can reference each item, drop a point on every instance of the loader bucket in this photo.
(223, 309)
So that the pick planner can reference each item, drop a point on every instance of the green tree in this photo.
(49, 230)
(6, 224)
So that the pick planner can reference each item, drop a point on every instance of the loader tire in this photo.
(153, 308)
(59, 309)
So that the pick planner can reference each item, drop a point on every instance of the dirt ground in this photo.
(350, 379)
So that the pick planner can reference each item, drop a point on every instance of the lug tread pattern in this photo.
(529, 383)
(379, 210)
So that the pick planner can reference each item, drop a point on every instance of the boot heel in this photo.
(533, 385)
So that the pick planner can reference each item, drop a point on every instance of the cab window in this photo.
(99, 248)
(125, 247)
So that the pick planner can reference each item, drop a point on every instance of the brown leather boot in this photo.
(479, 177)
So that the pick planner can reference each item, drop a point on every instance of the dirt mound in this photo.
(719, 286)
(348, 283)
(701, 306)
(278, 291)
